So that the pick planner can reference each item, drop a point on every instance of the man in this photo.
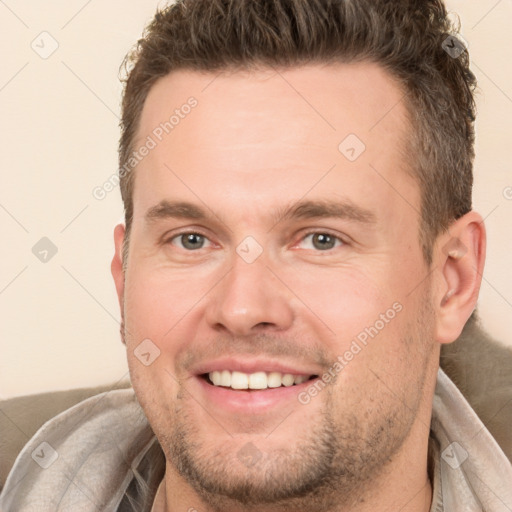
(298, 245)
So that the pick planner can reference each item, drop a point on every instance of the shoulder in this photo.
(60, 464)
(481, 368)
(22, 416)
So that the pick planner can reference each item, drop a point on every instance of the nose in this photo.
(250, 298)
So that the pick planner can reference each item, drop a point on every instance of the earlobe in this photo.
(116, 268)
(460, 255)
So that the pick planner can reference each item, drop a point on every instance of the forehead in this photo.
(261, 135)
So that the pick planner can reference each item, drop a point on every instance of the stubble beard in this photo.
(332, 467)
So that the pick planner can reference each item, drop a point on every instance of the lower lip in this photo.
(251, 401)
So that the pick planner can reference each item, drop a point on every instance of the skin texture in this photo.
(254, 144)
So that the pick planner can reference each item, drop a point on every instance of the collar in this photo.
(469, 471)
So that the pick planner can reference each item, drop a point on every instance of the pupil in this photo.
(191, 240)
(322, 238)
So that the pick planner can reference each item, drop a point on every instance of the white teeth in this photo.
(215, 376)
(225, 378)
(239, 380)
(299, 379)
(288, 379)
(257, 380)
(274, 380)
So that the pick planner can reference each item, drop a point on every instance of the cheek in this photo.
(152, 308)
(156, 302)
(160, 318)
(365, 318)
(343, 299)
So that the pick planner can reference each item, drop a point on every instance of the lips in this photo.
(248, 387)
(252, 364)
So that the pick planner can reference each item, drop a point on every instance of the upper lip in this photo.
(254, 365)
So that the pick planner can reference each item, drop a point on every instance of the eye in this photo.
(192, 241)
(323, 241)
(189, 241)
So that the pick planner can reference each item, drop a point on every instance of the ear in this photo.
(116, 267)
(459, 257)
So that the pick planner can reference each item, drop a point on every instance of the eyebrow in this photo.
(304, 209)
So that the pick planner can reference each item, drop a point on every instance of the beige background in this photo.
(59, 134)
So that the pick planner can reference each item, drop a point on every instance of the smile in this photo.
(258, 380)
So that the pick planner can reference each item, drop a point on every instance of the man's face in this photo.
(248, 289)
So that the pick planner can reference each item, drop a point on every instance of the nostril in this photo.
(264, 324)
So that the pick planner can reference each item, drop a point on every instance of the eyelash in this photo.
(309, 233)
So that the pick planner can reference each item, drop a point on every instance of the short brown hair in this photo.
(408, 38)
